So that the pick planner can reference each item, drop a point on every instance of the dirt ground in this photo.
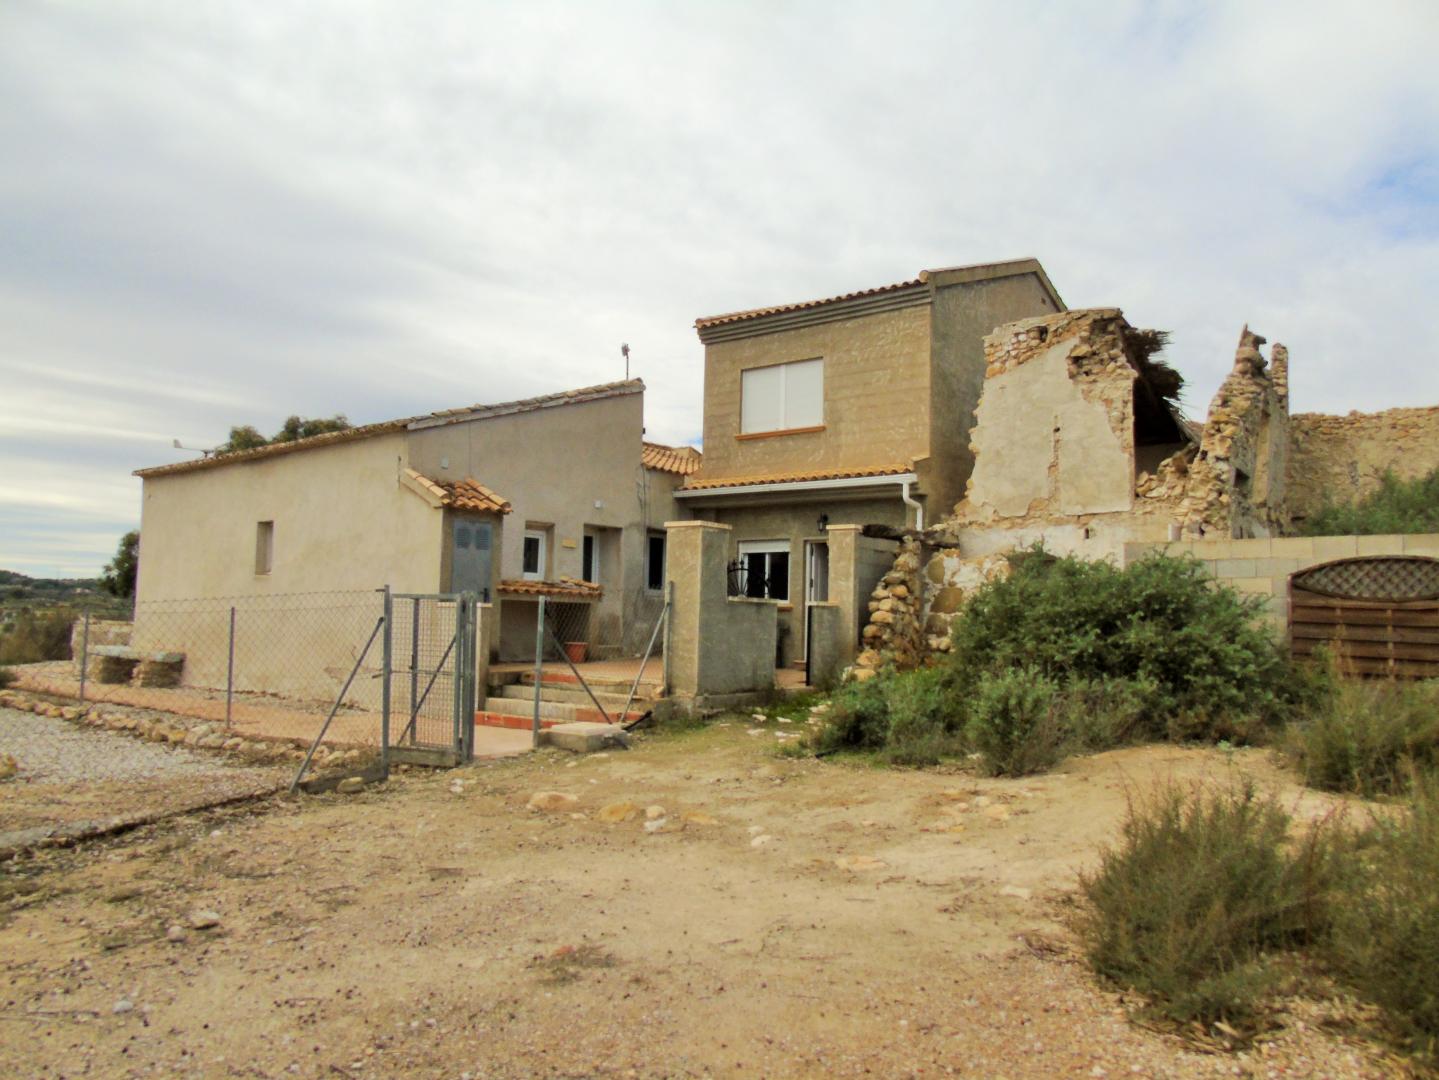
(777, 917)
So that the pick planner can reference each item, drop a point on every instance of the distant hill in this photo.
(20, 592)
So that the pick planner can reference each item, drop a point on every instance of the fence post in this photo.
(230, 670)
(539, 671)
(414, 659)
(667, 615)
(84, 655)
(387, 658)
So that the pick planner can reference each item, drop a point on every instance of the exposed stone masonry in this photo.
(1236, 481)
(894, 634)
(1343, 458)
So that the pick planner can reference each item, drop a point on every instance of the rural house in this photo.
(854, 409)
(556, 496)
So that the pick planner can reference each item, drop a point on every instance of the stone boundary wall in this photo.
(1342, 458)
(1263, 567)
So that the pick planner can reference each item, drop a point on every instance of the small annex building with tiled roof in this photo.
(557, 495)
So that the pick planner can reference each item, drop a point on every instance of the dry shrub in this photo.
(1200, 895)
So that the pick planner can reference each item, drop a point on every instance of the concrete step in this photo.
(586, 738)
(650, 687)
(570, 695)
(556, 711)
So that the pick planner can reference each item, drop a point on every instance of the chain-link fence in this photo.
(591, 632)
(265, 666)
(432, 651)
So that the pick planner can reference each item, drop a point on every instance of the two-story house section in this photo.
(852, 409)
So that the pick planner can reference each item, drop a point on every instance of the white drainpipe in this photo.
(918, 509)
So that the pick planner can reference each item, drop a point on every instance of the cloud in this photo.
(225, 213)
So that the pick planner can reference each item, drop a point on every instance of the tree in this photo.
(297, 427)
(119, 576)
(242, 438)
(247, 437)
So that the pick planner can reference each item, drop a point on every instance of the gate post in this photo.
(539, 670)
(385, 663)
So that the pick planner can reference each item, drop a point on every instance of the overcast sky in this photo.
(224, 213)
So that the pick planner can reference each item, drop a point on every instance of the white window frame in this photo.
(771, 548)
(787, 422)
(539, 574)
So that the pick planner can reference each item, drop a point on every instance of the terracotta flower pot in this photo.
(577, 651)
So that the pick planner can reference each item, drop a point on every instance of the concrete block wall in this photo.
(1263, 567)
(718, 644)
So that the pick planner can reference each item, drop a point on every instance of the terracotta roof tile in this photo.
(703, 483)
(680, 460)
(565, 588)
(755, 313)
(470, 494)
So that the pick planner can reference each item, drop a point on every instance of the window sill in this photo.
(786, 606)
(746, 436)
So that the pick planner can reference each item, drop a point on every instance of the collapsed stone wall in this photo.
(894, 634)
(1236, 482)
(1342, 459)
(950, 579)
(913, 606)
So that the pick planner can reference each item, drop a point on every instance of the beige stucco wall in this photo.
(960, 318)
(1044, 445)
(343, 525)
(342, 521)
(554, 465)
(876, 393)
(1342, 458)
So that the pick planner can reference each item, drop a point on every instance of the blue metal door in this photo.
(470, 558)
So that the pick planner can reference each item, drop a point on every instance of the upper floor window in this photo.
(782, 396)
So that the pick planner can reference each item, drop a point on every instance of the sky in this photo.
(217, 213)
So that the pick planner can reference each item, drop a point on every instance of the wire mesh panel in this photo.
(259, 666)
(593, 631)
(432, 671)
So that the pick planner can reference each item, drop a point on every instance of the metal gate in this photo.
(1376, 616)
(430, 646)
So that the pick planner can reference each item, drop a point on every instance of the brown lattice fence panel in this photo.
(1377, 616)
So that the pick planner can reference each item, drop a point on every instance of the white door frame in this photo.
(539, 535)
(812, 567)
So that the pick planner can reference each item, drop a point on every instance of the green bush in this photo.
(1385, 940)
(904, 714)
(1196, 649)
(37, 635)
(1199, 894)
(923, 728)
(1015, 722)
(1368, 737)
(1103, 714)
(1399, 506)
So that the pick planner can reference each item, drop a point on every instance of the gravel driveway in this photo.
(71, 778)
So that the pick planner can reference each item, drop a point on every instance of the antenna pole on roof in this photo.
(625, 352)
